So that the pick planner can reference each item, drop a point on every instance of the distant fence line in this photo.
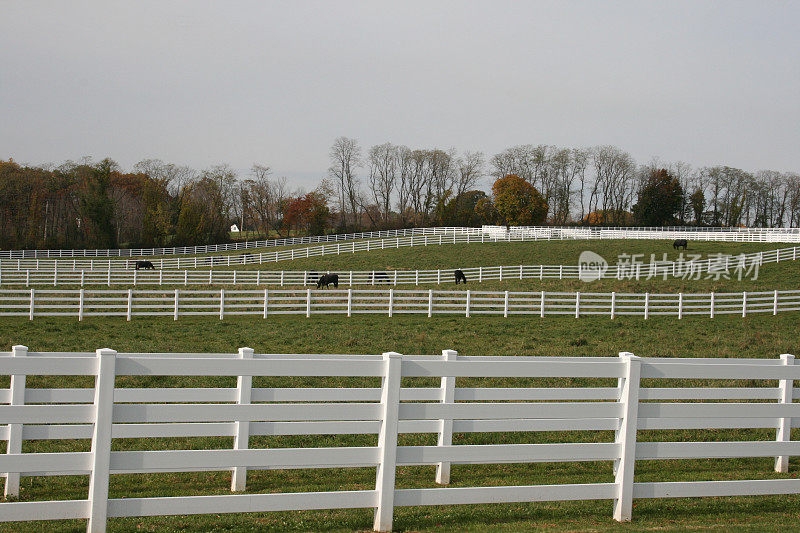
(106, 412)
(529, 232)
(710, 267)
(269, 257)
(82, 303)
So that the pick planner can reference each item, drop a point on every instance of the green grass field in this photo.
(728, 336)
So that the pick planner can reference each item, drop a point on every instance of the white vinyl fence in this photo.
(131, 303)
(338, 248)
(722, 266)
(106, 412)
(248, 245)
(671, 232)
(533, 232)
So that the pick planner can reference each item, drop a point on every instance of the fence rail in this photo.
(282, 255)
(501, 232)
(105, 412)
(131, 303)
(719, 267)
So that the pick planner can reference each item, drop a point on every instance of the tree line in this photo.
(99, 205)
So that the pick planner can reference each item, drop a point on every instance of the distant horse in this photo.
(460, 276)
(380, 277)
(144, 265)
(327, 279)
(680, 243)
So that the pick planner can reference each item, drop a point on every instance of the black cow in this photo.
(327, 279)
(460, 276)
(680, 243)
(144, 265)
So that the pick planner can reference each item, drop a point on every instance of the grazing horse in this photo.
(460, 276)
(327, 279)
(680, 243)
(380, 277)
(144, 265)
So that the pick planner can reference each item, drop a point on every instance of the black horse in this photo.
(680, 243)
(327, 279)
(460, 276)
(144, 265)
(380, 277)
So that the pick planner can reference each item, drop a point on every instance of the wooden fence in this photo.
(105, 413)
(689, 269)
(541, 232)
(130, 303)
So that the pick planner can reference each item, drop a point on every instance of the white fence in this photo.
(281, 255)
(215, 248)
(130, 303)
(541, 232)
(690, 269)
(105, 413)
(672, 232)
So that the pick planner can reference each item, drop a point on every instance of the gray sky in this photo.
(201, 83)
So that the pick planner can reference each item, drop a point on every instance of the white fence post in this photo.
(744, 304)
(387, 441)
(430, 303)
(448, 389)
(241, 436)
(391, 301)
(221, 304)
(505, 305)
(33, 297)
(175, 311)
(15, 430)
(711, 303)
(646, 305)
(680, 305)
(784, 433)
(468, 302)
(349, 302)
(308, 303)
(266, 302)
(613, 304)
(101, 439)
(775, 303)
(129, 310)
(541, 305)
(626, 438)
(577, 304)
(80, 305)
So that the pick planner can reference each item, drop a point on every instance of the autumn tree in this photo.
(518, 202)
(308, 212)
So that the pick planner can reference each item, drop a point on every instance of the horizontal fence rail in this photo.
(720, 267)
(542, 232)
(253, 258)
(106, 412)
(131, 303)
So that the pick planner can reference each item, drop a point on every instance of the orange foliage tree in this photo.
(518, 203)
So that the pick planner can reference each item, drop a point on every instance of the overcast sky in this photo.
(201, 83)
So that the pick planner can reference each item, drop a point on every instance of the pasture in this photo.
(762, 336)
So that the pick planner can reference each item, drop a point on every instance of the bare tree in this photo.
(345, 158)
(384, 161)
